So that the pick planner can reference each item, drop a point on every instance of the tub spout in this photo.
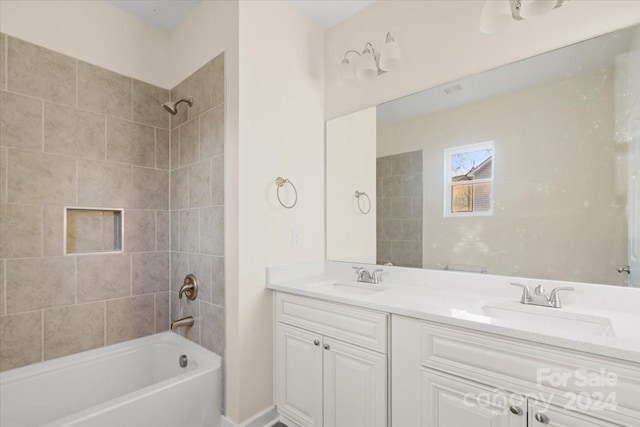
(185, 321)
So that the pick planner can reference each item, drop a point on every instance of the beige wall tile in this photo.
(147, 105)
(183, 308)
(177, 93)
(175, 230)
(174, 154)
(179, 269)
(163, 160)
(74, 132)
(103, 91)
(212, 322)
(129, 142)
(162, 312)
(36, 71)
(139, 231)
(201, 89)
(212, 133)
(150, 188)
(130, 318)
(217, 181)
(200, 184)
(21, 337)
(41, 178)
(37, 283)
(150, 272)
(190, 142)
(163, 236)
(217, 285)
(73, 329)
(3, 61)
(2, 287)
(201, 266)
(104, 184)
(20, 121)
(4, 154)
(53, 230)
(218, 80)
(212, 231)
(20, 231)
(180, 188)
(104, 276)
(189, 230)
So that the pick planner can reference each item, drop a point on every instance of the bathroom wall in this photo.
(534, 163)
(74, 134)
(440, 41)
(197, 203)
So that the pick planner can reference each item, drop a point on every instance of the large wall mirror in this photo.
(531, 169)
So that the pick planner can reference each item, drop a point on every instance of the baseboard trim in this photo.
(265, 418)
(288, 421)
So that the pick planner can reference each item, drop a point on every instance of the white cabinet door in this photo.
(299, 375)
(448, 401)
(355, 386)
(541, 415)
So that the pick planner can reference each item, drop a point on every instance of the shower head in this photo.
(171, 106)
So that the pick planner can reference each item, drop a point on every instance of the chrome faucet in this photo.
(540, 298)
(184, 322)
(365, 277)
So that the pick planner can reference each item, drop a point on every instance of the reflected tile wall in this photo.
(399, 204)
(74, 134)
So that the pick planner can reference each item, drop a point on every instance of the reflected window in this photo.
(469, 180)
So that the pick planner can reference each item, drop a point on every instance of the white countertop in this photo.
(461, 299)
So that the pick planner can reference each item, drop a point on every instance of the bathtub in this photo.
(135, 383)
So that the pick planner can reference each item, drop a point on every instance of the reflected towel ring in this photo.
(363, 194)
(280, 182)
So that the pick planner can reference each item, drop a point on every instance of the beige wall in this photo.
(73, 134)
(281, 134)
(441, 42)
(94, 31)
(351, 154)
(556, 190)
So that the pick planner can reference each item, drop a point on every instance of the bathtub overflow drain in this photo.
(183, 361)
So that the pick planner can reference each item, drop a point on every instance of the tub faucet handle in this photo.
(189, 288)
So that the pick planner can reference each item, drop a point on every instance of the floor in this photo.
(279, 424)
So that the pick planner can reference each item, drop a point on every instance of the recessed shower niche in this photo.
(93, 230)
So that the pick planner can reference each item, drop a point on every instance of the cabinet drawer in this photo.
(353, 325)
(523, 367)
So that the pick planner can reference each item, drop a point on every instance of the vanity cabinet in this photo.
(331, 363)
(445, 376)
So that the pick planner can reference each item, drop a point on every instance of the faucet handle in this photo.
(375, 275)
(554, 298)
(526, 295)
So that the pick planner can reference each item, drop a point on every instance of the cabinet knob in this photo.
(327, 347)
(515, 410)
(542, 418)
(316, 342)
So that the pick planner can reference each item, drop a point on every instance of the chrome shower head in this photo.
(171, 106)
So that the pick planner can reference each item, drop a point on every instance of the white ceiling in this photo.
(579, 59)
(165, 14)
(327, 13)
(168, 14)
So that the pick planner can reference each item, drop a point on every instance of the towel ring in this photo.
(363, 194)
(280, 182)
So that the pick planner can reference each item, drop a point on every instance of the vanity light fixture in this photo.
(370, 63)
(498, 14)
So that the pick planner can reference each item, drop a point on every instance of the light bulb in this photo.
(367, 68)
(533, 8)
(390, 54)
(496, 16)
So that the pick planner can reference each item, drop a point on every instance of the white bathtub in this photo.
(136, 383)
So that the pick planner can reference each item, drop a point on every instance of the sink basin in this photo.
(350, 289)
(542, 319)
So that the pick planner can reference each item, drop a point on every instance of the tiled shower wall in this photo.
(197, 203)
(399, 209)
(74, 134)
